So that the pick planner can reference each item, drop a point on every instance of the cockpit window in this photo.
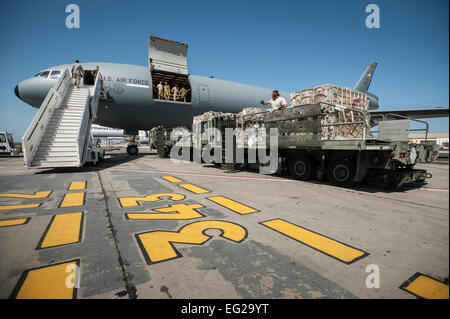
(44, 74)
(37, 74)
(56, 74)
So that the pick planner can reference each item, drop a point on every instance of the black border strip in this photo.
(24, 275)
(62, 200)
(84, 189)
(404, 286)
(178, 254)
(256, 210)
(27, 219)
(155, 209)
(345, 262)
(139, 202)
(80, 232)
(207, 190)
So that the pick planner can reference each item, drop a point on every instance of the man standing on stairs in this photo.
(77, 73)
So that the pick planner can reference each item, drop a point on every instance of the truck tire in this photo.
(341, 173)
(301, 168)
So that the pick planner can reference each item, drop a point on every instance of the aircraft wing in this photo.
(412, 113)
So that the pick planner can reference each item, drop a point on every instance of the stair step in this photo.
(60, 135)
(67, 120)
(57, 145)
(53, 154)
(57, 149)
(68, 115)
(56, 158)
(44, 164)
(58, 140)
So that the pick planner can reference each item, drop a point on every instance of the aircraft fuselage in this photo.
(132, 104)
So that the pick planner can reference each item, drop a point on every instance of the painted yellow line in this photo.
(73, 199)
(172, 179)
(331, 247)
(36, 195)
(63, 229)
(173, 212)
(76, 186)
(49, 282)
(22, 206)
(194, 189)
(134, 201)
(426, 287)
(13, 222)
(233, 205)
(157, 246)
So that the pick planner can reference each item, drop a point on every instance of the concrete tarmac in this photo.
(145, 227)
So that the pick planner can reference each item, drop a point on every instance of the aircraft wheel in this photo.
(301, 168)
(341, 173)
(132, 149)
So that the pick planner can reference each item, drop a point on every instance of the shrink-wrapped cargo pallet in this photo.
(344, 98)
(251, 116)
(208, 114)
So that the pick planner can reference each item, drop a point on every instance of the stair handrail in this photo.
(33, 135)
(96, 95)
(82, 135)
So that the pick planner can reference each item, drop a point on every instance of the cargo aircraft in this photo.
(131, 101)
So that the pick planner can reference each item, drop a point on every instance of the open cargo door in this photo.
(168, 66)
(167, 56)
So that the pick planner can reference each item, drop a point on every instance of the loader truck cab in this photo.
(7, 144)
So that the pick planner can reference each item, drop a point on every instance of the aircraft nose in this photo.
(16, 90)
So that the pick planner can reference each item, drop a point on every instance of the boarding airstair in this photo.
(60, 133)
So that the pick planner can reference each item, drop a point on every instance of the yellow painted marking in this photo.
(172, 179)
(157, 245)
(194, 189)
(63, 229)
(9, 207)
(183, 211)
(233, 205)
(36, 195)
(134, 201)
(77, 186)
(428, 288)
(73, 199)
(324, 244)
(13, 222)
(47, 283)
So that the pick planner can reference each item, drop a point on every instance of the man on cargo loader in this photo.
(77, 73)
(277, 102)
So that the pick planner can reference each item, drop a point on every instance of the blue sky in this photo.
(288, 45)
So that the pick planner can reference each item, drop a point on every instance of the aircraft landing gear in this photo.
(132, 149)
